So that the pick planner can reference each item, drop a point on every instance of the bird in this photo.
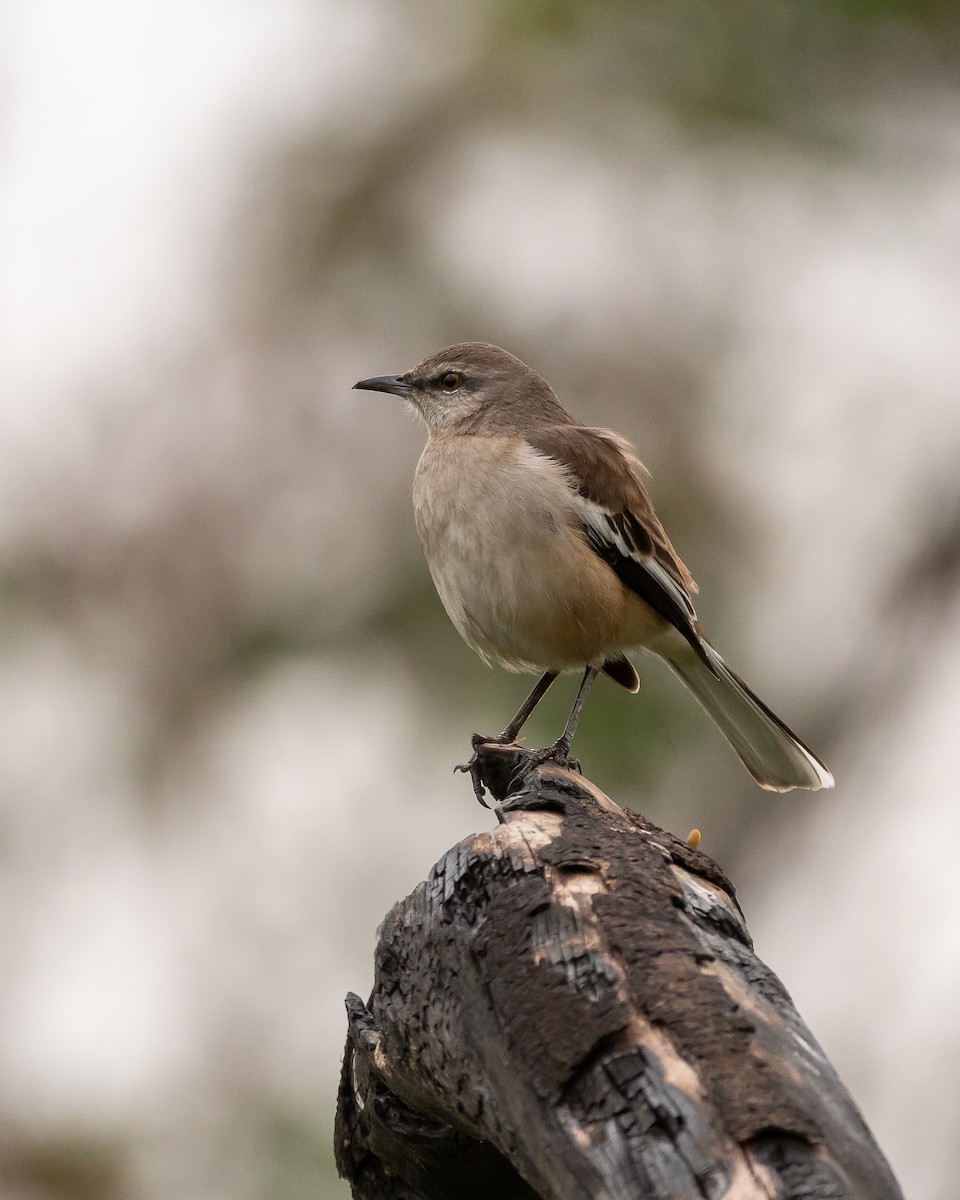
(548, 556)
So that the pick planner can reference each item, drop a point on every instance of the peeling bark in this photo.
(570, 1008)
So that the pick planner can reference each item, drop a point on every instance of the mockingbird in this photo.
(548, 555)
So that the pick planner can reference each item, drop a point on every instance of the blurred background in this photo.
(230, 701)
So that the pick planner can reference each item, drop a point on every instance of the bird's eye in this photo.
(451, 381)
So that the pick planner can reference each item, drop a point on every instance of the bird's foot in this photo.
(474, 768)
(493, 764)
(500, 765)
(558, 754)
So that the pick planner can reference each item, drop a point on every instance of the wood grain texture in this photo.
(570, 1008)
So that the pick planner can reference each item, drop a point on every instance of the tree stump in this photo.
(570, 1008)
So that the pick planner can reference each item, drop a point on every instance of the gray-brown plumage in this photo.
(547, 553)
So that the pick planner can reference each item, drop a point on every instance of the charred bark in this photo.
(570, 1008)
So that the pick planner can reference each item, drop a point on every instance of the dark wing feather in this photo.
(619, 519)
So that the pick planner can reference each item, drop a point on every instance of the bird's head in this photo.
(472, 387)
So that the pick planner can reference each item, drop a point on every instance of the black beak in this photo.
(385, 383)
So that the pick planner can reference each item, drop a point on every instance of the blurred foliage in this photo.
(68, 1168)
(787, 67)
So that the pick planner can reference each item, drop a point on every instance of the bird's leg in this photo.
(540, 689)
(526, 708)
(561, 747)
(509, 734)
(559, 752)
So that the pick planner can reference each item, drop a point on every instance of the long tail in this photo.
(771, 752)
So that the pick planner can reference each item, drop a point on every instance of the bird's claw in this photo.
(472, 768)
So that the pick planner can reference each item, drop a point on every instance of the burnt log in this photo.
(570, 1008)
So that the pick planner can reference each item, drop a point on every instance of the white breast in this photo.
(503, 542)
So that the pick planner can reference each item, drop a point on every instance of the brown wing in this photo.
(619, 519)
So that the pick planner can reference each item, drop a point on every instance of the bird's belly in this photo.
(528, 622)
(514, 572)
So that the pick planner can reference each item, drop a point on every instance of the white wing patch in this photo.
(613, 530)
